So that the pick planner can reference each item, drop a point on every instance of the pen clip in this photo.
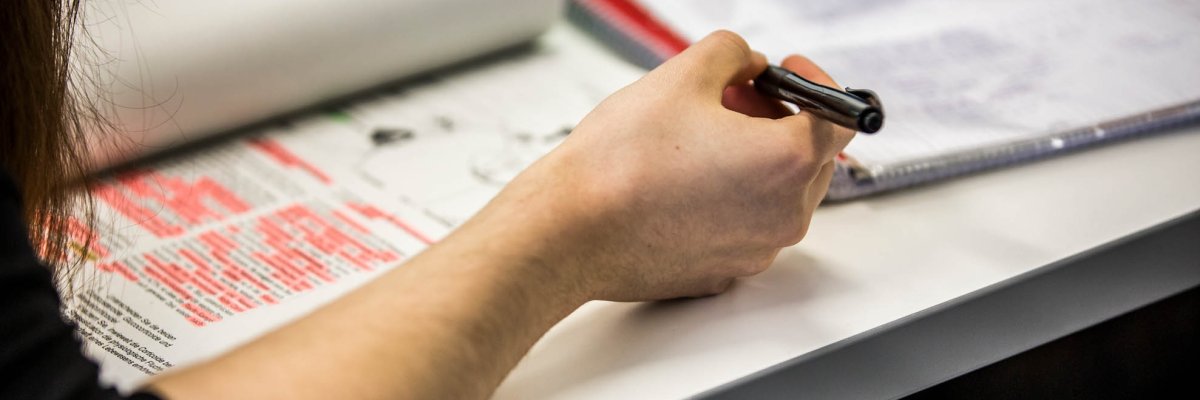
(867, 96)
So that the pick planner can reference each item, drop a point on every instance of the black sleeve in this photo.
(40, 357)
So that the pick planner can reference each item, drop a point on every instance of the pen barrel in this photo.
(828, 103)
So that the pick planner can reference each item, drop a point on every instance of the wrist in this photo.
(549, 228)
(523, 246)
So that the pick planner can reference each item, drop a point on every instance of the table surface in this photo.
(865, 264)
(993, 337)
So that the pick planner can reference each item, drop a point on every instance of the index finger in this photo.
(808, 69)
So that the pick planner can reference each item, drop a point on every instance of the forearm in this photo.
(663, 191)
(449, 323)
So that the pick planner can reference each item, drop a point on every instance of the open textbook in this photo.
(197, 254)
(176, 71)
(967, 85)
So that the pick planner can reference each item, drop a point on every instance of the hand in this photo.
(682, 181)
(672, 187)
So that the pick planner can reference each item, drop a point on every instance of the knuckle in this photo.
(720, 286)
(756, 266)
(793, 232)
(796, 160)
(733, 43)
(816, 139)
(806, 153)
(745, 268)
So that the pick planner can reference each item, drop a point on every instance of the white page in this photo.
(203, 254)
(175, 71)
(956, 76)
(145, 303)
(471, 132)
(186, 252)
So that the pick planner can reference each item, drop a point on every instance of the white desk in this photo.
(867, 263)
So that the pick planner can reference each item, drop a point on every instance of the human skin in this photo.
(672, 187)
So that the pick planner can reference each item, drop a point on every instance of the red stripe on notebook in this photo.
(634, 20)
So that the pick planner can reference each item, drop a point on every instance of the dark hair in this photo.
(42, 122)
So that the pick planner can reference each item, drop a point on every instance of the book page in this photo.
(172, 72)
(194, 256)
(197, 255)
(956, 76)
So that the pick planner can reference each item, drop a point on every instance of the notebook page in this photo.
(977, 74)
(780, 27)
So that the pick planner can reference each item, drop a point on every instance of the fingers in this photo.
(749, 264)
(811, 71)
(720, 59)
(813, 193)
(720, 287)
(802, 66)
(818, 188)
(831, 138)
(745, 99)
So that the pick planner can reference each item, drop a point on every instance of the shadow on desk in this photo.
(620, 337)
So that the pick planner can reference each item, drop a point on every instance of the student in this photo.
(672, 187)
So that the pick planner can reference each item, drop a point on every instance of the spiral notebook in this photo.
(967, 86)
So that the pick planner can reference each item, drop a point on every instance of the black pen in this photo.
(857, 109)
